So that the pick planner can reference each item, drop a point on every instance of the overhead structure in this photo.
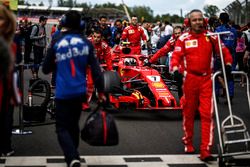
(239, 11)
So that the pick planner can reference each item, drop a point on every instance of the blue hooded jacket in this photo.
(228, 39)
(69, 55)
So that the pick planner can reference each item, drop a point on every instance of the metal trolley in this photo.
(232, 131)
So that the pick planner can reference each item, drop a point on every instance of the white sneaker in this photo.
(75, 163)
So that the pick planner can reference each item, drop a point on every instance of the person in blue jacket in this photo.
(69, 54)
(230, 41)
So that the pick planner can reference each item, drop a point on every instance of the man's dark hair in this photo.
(224, 17)
(103, 17)
(166, 22)
(72, 20)
(42, 18)
(97, 31)
(177, 27)
(118, 20)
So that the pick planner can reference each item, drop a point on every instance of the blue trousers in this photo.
(230, 88)
(68, 114)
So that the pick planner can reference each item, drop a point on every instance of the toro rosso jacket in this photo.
(70, 54)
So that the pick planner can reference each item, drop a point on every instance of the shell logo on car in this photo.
(158, 85)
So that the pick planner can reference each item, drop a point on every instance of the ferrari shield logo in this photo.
(121, 72)
(207, 39)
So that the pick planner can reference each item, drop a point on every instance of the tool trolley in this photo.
(232, 130)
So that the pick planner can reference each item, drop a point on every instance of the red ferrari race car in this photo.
(136, 86)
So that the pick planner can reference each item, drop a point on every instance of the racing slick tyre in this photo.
(112, 81)
(38, 99)
(41, 92)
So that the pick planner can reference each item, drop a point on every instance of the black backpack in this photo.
(100, 129)
(31, 28)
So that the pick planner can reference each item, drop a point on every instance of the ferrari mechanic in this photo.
(195, 48)
(168, 47)
(134, 34)
(103, 54)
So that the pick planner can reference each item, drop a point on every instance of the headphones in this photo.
(63, 20)
(187, 22)
(71, 22)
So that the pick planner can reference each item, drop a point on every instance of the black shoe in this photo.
(8, 153)
(189, 149)
(208, 159)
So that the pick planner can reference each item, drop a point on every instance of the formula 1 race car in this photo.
(136, 86)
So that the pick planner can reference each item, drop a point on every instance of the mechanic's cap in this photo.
(42, 18)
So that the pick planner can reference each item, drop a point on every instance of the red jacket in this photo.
(196, 51)
(103, 53)
(134, 35)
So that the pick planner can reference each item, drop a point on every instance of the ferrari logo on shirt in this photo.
(191, 43)
(131, 31)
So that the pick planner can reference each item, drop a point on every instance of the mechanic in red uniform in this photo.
(195, 48)
(102, 50)
(169, 47)
(134, 34)
(103, 54)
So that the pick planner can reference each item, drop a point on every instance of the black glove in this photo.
(143, 47)
(177, 77)
(228, 69)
